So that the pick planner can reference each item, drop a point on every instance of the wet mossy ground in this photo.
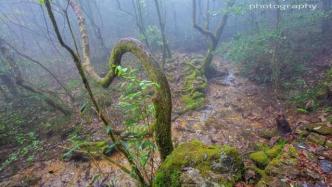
(271, 162)
(223, 163)
(195, 84)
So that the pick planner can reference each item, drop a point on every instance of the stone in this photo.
(316, 138)
(320, 128)
(268, 133)
(326, 166)
(200, 164)
(328, 144)
(301, 131)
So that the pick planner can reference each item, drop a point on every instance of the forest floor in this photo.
(237, 112)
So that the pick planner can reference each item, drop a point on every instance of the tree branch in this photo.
(199, 28)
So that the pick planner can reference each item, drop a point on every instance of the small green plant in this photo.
(30, 144)
(138, 120)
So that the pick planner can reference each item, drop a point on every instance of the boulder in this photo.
(196, 164)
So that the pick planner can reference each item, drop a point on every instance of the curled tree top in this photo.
(162, 100)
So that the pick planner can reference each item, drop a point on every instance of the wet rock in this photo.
(301, 131)
(328, 144)
(320, 128)
(196, 164)
(268, 133)
(326, 166)
(326, 153)
(192, 176)
(316, 138)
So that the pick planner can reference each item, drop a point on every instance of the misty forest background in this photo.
(105, 93)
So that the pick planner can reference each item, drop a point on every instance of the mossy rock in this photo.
(194, 86)
(328, 144)
(320, 128)
(284, 164)
(273, 163)
(274, 151)
(260, 158)
(316, 138)
(268, 133)
(211, 164)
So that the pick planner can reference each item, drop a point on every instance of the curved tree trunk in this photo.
(162, 99)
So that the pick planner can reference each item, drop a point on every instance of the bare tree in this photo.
(19, 80)
(162, 98)
(162, 22)
(213, 37)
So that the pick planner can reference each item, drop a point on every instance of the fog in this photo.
(111, 92)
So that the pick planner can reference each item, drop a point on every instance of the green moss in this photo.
(280, 160)
(274, 151)
(285, 163)
(260, 158)
(194, 85)
(194, 101)
(206, 159)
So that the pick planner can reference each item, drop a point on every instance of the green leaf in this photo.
(41, 2)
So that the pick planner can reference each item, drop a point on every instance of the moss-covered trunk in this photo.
(162, 99)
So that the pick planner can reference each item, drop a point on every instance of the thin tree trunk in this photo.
(274, 60)
(68, 93)
(214, 37)
(165, 47)
(22, 83)
(162, 99)
(9, 84)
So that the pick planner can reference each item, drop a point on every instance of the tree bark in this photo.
(165, 48)
(162, 101)
(214, 37)
(275, 47)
